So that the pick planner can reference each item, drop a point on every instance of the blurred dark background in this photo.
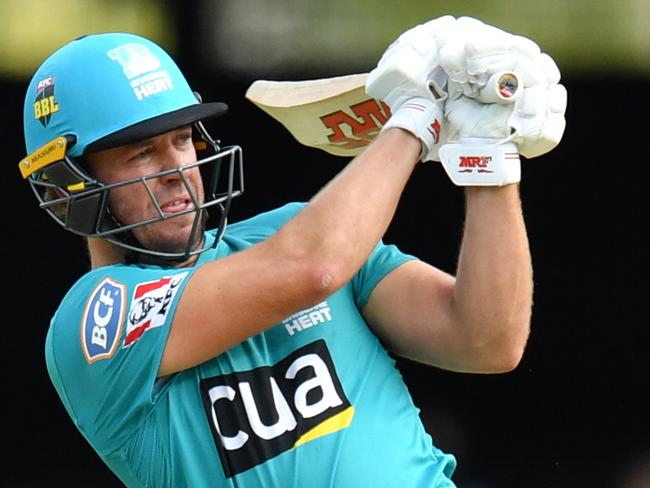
(575, 411)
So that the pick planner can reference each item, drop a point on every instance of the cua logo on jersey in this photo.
(45, 105)
(150, 305)
(141, 68)
(258, 414)
(101, 325)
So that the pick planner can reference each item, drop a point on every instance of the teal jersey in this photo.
(314, 401)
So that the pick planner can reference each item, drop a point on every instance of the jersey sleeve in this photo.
(384, 259)
(104, 347)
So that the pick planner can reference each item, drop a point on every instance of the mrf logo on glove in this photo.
(481, 163)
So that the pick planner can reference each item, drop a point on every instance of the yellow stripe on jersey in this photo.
(333, 424)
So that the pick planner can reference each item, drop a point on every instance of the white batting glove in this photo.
(534, 121)
(504, 100)
(477, 153)
(410, 69)
(531, 126)
(537, 121)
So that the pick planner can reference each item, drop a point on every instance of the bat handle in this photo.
(502, 87)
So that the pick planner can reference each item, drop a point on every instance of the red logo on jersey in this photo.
(150, 306)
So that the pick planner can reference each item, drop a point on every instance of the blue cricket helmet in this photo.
(106, 90)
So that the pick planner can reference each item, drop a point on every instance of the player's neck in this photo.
(103, 253)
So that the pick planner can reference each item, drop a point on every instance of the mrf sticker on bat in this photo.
(101, 325)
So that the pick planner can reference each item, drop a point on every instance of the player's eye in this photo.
(144, 152)
(184, 138)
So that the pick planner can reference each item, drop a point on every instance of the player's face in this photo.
(132, 203)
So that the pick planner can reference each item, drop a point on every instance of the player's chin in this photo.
(172, 236)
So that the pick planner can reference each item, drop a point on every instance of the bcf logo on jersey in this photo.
(150, 305)
(101, 325)
(258, 414)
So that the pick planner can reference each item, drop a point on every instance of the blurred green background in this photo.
(277, 37)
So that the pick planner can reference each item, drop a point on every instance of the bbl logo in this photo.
(45, 105)
(258, 414)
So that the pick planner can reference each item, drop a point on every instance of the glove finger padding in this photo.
(408, 67)
(409, 79)
(537, 120)
(476, 51)
(467, 118)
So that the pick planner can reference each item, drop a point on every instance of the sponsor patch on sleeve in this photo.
(101, 325)
(150, 305)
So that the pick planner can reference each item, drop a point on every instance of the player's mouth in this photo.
(177, 205)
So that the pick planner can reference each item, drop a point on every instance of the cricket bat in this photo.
(336, 115)
(332, 114)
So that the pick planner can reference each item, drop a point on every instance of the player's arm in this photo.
(312, 255)
(477, 321)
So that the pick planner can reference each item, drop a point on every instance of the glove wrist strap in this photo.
(421, 117)
(481, 162)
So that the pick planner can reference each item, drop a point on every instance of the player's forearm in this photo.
(341, 225)
(493, 292)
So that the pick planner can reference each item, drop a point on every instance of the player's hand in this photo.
(535, 121)
(408, 77)
(474, 51)
(483, 140)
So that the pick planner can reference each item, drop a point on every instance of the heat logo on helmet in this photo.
(142, 68)
(45, 104)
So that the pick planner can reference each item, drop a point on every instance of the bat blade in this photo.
(333, 114)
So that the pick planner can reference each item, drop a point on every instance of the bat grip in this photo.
(502, 87)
